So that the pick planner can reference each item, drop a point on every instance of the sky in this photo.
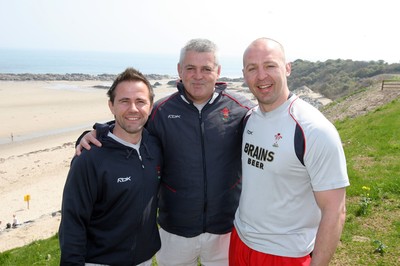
(314, 30)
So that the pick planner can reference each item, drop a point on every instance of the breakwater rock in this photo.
(68, 77)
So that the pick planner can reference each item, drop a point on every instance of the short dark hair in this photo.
(130, 74)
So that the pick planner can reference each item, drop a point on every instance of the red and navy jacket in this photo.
(201, 181)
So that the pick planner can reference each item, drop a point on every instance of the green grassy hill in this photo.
(372, 231)
(372, 145)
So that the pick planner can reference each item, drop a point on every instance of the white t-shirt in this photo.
(277, 212)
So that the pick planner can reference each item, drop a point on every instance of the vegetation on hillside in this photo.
(337, 78)
(372, 145)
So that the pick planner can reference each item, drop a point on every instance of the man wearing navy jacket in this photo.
(110, 197)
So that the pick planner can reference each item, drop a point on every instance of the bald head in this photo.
(265, 71)
(267, 45)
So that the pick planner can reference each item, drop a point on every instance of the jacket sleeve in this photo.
(95, 126)
(150, 125)
(78, 197)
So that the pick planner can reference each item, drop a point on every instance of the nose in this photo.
(262, 74)
(133, 107)
(198, 74)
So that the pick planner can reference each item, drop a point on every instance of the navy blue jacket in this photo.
(110, 202)
(201, 181)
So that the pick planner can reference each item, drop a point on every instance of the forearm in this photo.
(327, 239)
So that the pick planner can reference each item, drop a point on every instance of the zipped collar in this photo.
(101, 134)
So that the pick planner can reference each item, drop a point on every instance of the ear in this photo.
(288, 69)
(178, 67)
(111, 106)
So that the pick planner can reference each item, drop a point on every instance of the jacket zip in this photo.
(201, 122)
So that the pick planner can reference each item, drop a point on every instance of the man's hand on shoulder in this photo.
(88, 138)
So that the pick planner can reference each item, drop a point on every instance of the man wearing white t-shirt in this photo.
(294, 172)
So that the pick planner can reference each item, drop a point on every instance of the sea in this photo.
(96, 63)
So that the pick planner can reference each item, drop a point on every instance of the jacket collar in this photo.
(103, 129)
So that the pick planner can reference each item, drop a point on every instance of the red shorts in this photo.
(242, 255)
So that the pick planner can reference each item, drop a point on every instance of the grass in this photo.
(372, 147)
(39, 253)
(371, 234)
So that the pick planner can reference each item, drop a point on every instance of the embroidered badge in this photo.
(277, 138)
(225, 114)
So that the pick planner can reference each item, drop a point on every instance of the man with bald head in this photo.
(294, 172)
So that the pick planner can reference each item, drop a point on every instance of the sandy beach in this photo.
(41, 121)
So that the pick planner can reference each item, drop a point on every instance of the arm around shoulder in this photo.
(88, 137)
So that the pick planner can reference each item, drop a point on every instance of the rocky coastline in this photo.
(85, 77)
(68, 77)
